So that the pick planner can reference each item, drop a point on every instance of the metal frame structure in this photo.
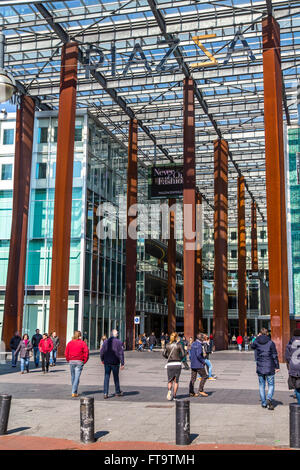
(229, 94)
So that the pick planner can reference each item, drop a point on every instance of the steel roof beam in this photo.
(99, 77)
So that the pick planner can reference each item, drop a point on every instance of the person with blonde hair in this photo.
(77, 354)
(174, 353)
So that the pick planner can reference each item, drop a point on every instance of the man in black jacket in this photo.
(266, 365)
(35, 341)
(14, 343)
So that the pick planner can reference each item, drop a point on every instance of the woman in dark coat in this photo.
(24, 348)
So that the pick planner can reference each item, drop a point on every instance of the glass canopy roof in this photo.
(134, 55)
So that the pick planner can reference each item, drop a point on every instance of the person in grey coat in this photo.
(24, 349)
(292, 355)
(53, 353)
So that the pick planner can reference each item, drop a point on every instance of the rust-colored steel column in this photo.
(220, 318)
(242, 288)
(131, 244)
(63, 194)
(254, 255)
(198, 267)
(189, 210)
(15, 283)
(275, 185)
(171, 271)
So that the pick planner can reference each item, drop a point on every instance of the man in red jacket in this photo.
(239, 341)
(77, 354)
(45, 347)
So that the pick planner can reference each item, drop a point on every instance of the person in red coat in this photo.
(45, 347)
(239, 341)
(77, 354)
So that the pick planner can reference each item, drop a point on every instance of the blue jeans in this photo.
(246, 347)
(297, 391)
(14, 358)
(24, 363)
(209, 366)
(115, 370)
(240, 347)
(271, 387)
(76, 370)
(36, 355)
(53, 357)
(151, 347)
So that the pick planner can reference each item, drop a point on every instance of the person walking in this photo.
(144, 341)
(45, 347)
(267, 365)
(55, 340)
(24, 349)
(35, 340)
(152, 341)
(174, 353)
(292, 356)
(162, 340)
(140, 343)
(14, 343)
(246, 342)
(112, 356)
(184, 343)
(208, 348)
(103, 338)
(76, 354)
(239, 341)
(197, 359)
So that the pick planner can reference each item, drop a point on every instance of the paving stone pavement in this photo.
(232, 414)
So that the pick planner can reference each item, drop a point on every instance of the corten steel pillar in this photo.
(189, 212)
(63, 194)
(254, 254)
(242, 288)
(220, 314)
(171, 270)
(275, 185)
(14, 295)
(198, 266)
(131, 244)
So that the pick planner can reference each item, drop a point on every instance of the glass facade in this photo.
(293, 204)
(97, 267)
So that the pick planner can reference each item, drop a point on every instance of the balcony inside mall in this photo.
(149, 168)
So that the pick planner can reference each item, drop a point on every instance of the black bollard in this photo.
(5, 401)
(183, 423)
(295, 425)
(87, 431)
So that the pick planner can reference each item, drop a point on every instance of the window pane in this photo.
(8, 137)
(78, 134)
(6, 173)
(43, 135)
(41, 171)
(77, 169)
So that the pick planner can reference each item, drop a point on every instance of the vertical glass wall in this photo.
(104, 286)
(294, 211)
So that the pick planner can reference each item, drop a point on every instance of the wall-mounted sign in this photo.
(165, 181)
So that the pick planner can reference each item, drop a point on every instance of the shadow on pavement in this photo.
(12, 431)
(193, 437)
(100, 434)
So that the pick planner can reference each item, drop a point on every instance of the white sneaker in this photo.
(169, 395)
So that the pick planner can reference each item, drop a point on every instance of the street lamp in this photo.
(7, 81)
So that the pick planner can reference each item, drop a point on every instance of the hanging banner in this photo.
(165, 181)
